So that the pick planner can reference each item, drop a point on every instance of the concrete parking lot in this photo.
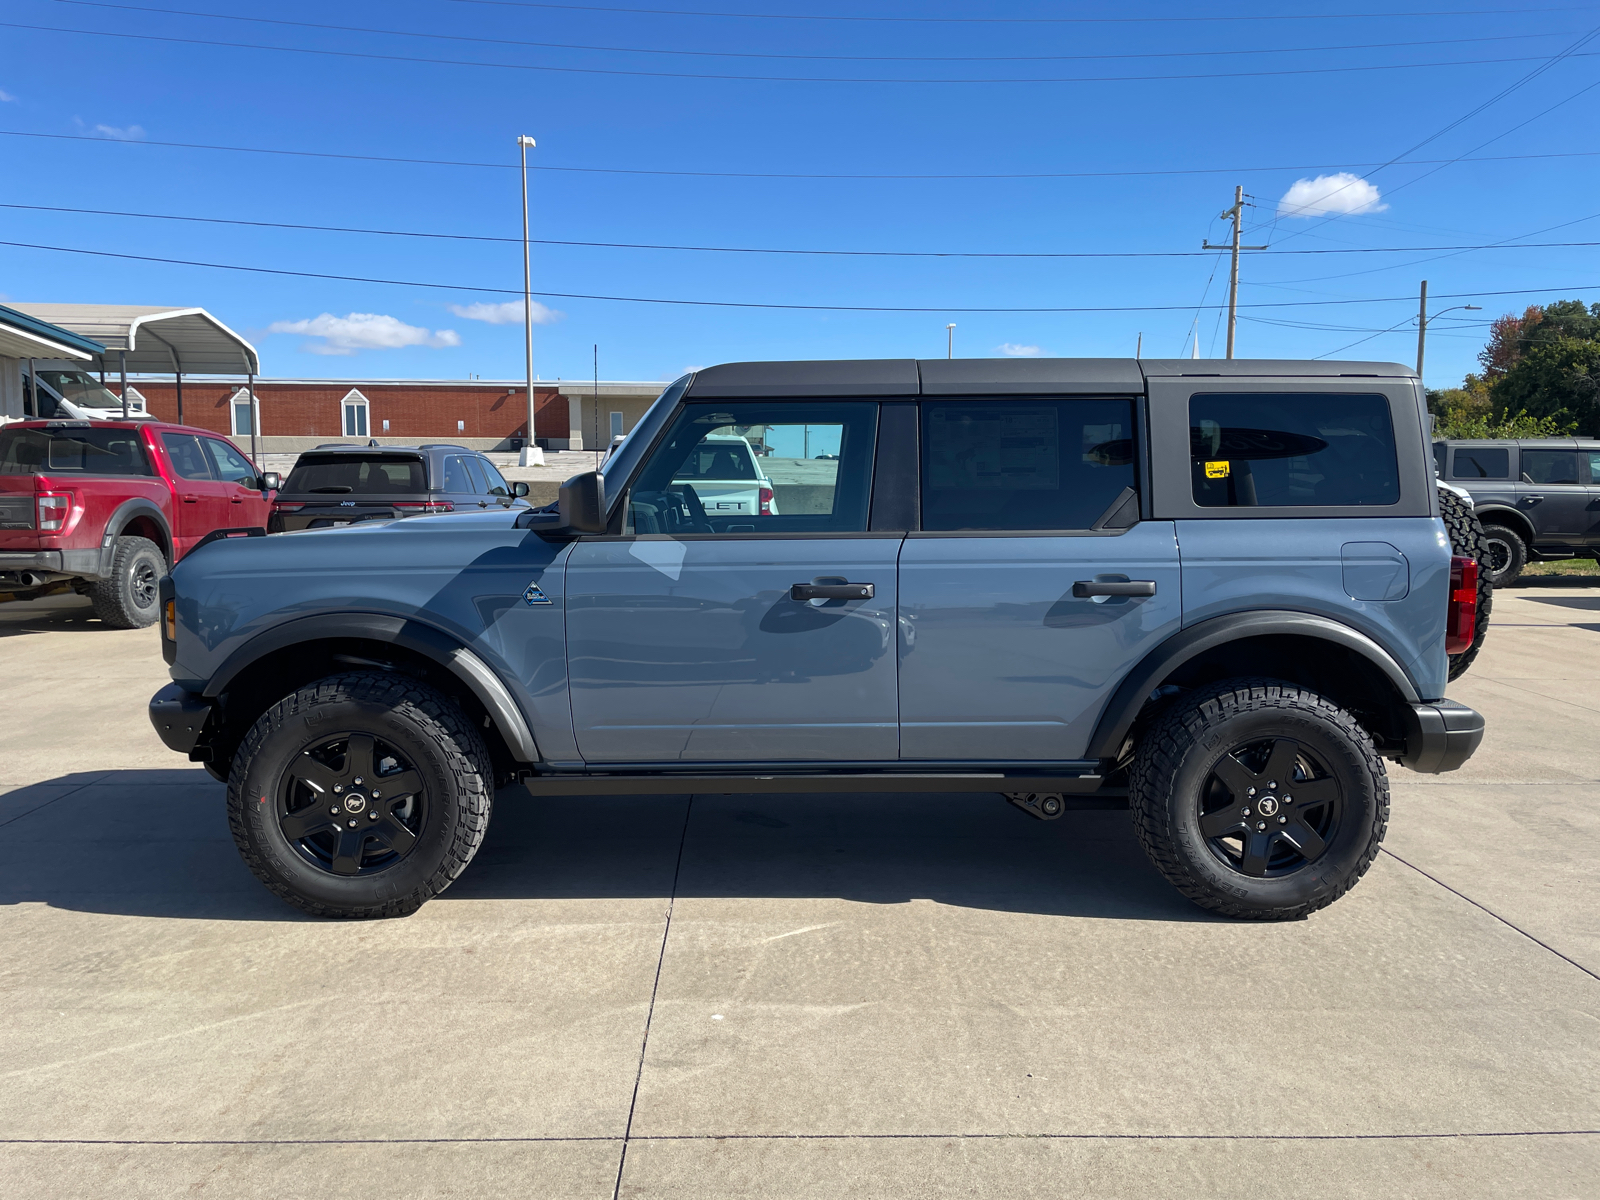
(795, 996)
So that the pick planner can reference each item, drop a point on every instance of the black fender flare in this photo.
(1123, 708)
(127, 511)
(1518, 521)
(442, 648)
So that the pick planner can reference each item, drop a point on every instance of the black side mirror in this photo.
(582, 503)
(271, 481)
(519, 489)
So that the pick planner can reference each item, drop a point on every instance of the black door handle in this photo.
(832, 591)
(1125, 587)
(1532, 499)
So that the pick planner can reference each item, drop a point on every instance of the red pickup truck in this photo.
(106, 507)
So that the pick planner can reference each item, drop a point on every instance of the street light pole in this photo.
(523, 142)
(1422, 322)
(950, 348)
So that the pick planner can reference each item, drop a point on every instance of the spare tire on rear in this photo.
(1467, 540)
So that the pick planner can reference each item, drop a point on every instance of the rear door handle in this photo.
(191, 499)
(1124, 587)
(832, 591)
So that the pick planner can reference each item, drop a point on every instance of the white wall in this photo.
(10, 387)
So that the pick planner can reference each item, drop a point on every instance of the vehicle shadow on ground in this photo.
(155, 843)
(52, 612)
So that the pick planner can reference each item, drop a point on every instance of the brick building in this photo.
(296, 414)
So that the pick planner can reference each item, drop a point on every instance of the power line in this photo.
(501, 166)
(671, 12)
(458, 287)
(501, 41)
(612, 71)
(1047, 254)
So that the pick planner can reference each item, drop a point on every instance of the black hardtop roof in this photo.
(997, 376)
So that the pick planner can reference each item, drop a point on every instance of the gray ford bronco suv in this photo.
(1218, 592)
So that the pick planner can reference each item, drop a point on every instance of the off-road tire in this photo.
(1466, 538)
(127, 598)
(421, 722)
(1516, 553)
(1176, 757)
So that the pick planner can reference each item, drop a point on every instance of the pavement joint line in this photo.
(655, 986)
(1491, 912)
(48, 803)
(1541, 695)
(818, 1137)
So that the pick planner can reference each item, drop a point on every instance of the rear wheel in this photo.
(1467, 539)
(361, 795)
(128, 598)
(1505, 554)
(1259, 799)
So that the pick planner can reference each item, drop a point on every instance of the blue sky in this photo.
(1156, 159)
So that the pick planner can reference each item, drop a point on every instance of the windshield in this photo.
(82, 389)
(83, 451)
(353, 474)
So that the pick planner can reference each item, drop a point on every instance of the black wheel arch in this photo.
(1313, 651)
(139, 517)
(1508, 518)
(288, 656)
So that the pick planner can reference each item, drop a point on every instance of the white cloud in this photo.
(1012, 350)
(130, 133)
(7, 97)
(1343, 194)
(363, 331)
(509, 313)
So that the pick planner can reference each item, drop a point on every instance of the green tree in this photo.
(1556, 377)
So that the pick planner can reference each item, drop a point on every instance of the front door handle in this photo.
(831, 590)
(1122, 587)
(1532, 499)
(191, 499)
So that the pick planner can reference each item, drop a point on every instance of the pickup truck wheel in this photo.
(361, 795)
(128, 598)
(1259, 799)
(1467, 539)
(1505, 554)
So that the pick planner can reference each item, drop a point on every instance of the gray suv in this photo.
(340, 484)
(1220, 593)
(1538, 499)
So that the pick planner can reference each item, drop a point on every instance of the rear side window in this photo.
(77, 451)
(1023, 464)
(1484, 462)
(1549, 466)
(1277, 450)
(354, 474)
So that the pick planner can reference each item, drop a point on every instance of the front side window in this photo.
(497, 482)
(79, 451)
(749, 467)
(232, 467)
(188, 460)
(1483, 462)
(456, 479)
(1278, 450)
(1594, 467)
(1549, 466)
(1023, 464)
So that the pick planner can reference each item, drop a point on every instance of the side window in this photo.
(475, 472)
(1274, 450)
(187, 458)
(1024, 464)
(456, 478)
(231, 466)
(1594, 467)
(1439, 452)
(497, 482)
(1482, 462)
(1549, 466)
(749, 467)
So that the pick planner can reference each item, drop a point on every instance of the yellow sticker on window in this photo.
(1216, 470)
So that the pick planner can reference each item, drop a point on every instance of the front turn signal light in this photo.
(169, 620)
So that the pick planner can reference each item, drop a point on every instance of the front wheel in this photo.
(1259, 799)
(361, 795)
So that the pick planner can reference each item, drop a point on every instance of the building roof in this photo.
(24, 336)
(567, 387)
(157, 339)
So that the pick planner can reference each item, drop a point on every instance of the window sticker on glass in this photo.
(995, 447)
(1216, 470)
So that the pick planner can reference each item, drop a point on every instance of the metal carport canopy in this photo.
(158, 340)
(24, 336)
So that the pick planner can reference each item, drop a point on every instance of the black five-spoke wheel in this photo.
(1269, 807)
(351, 804)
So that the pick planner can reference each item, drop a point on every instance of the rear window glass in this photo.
(724, 458)
(1549, 466)
(1023, 464)
(354, 474)
(1276, 450)
(1484, 462)
(81, 451)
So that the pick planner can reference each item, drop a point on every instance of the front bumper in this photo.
(1442, 736)
(179, 717)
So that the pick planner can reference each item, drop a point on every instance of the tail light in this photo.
(1461, 624)
(766, 502)
(425, 506)
(280, 506)
(54, 509)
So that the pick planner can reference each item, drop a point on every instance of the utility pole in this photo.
(950, 348)
(523, 142)
(1422, 326)
(1236, 215)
